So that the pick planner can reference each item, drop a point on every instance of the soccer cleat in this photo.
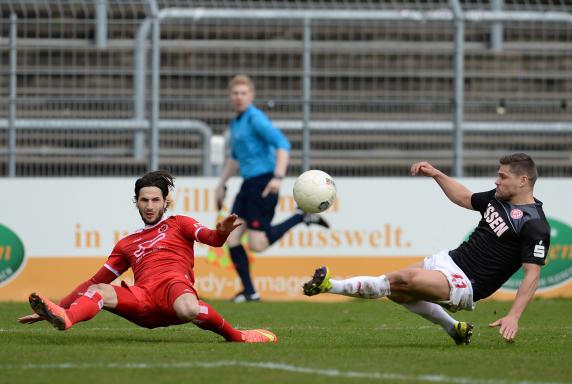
(462, 332)
(320, 282)
(314, 218)
(50, 311)
(242, 297)
(258, 336)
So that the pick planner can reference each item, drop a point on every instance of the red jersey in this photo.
(156, 253)
(162, 251)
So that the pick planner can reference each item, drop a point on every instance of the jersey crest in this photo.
(516, 214)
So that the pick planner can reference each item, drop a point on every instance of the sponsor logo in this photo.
(12, 255)
(146, 246)
(516, 214)
(495, 221)
(539, 250)
(558, 267)
(163, 228)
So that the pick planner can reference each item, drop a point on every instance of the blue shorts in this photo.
(250, 206)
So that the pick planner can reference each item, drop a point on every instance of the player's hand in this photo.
(423, 168)
(30, 319)
(508, 327)
(228, 224)
(220, 194)
(273, 186)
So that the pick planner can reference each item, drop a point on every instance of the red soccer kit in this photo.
(162, 259)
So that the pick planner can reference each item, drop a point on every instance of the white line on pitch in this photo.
(278, 367)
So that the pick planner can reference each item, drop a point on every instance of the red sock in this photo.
(85, 307)
(210, 320)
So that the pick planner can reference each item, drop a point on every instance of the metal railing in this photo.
(116, 125)
(147, 124)
(456, 16)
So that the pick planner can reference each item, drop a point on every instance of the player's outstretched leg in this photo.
(50, 311)
(258, 336)
(462, 332)
(320, 282)
(365, 287)
(316, 219)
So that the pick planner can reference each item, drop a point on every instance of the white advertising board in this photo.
(71, 217)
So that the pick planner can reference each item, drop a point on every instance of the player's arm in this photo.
(230, 169)
(217, 237)
(455, 191)
(115, 265)
(509, 324)
(282, 159)
(275, 138)
(104, 275)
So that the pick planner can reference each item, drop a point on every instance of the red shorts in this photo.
(151, 306)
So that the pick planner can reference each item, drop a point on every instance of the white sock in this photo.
(367, 287)
(434, 313)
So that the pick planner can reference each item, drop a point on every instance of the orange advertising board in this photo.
(278, 278)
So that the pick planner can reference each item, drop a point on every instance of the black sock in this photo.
(240, 260)
(275, 232)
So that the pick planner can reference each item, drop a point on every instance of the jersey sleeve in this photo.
(104, 275)
(117, 262)
(480, 200)
(115, 265)
(211, 237)
(194, 231)
(272, 135)
(190, 227)
(535, 236)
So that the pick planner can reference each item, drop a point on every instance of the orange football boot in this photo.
(258, 336)
(50, 311)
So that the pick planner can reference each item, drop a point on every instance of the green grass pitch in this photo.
(349, 342)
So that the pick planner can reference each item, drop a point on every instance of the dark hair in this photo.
(160, 179)
(521, 164)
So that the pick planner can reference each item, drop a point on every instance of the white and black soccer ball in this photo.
(314, 191)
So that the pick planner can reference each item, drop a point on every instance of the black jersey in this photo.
(507, 236)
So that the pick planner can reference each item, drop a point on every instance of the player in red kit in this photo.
(162, 259)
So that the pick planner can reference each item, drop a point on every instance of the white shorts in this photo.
(461, 295)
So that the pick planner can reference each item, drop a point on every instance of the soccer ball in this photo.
(314, 191)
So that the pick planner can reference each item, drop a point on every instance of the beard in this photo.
(151, 222)
(506, 196)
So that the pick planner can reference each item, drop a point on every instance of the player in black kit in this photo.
(512, 232)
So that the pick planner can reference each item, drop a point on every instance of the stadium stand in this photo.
(377, 72)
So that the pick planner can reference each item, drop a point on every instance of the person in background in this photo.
(260, 153)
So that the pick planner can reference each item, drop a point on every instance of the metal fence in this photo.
(379, 84)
